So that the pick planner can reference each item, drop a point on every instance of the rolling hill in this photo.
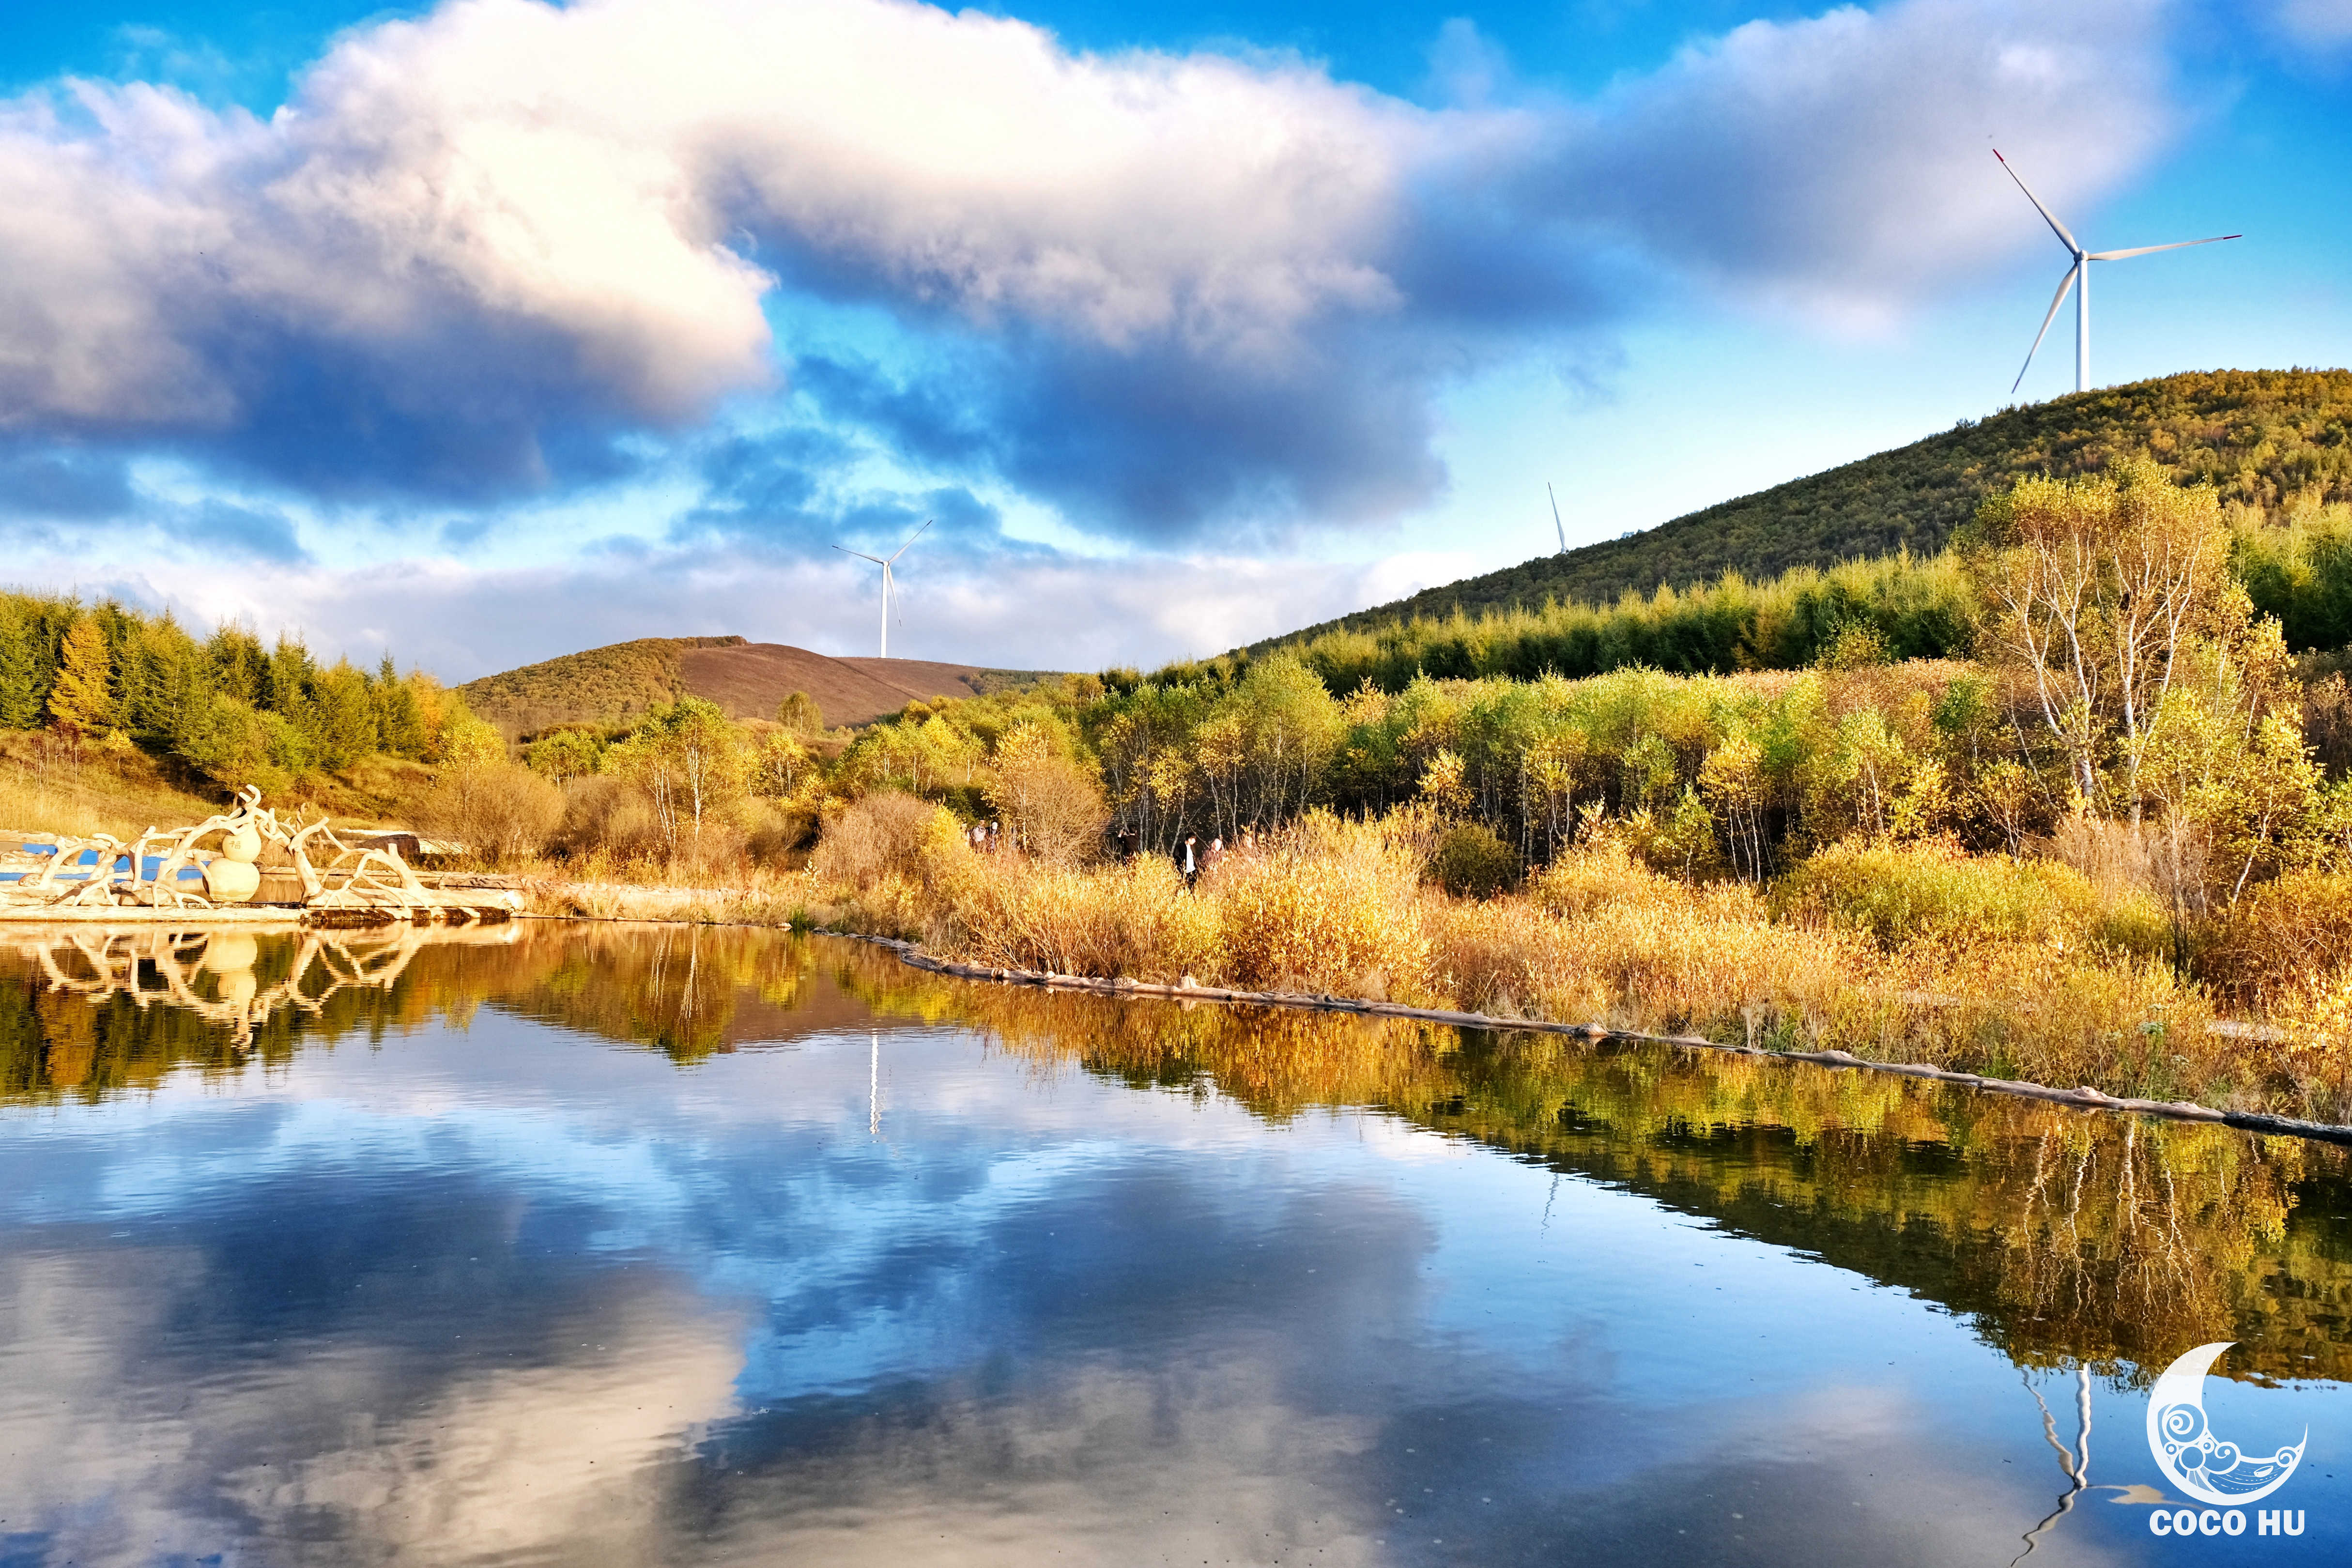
(2265, 438)
(747, 679)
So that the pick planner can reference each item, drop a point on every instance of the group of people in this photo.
(1194, 860)
(1192, 857)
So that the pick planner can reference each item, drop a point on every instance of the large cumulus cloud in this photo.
(485, 252)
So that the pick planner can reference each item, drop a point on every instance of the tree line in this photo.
(2118, 669)
(227, 706)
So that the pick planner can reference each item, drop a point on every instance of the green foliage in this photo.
(799, 715)
(568, 752)
(341, 709)
(690, 760)
(1898, 893)
(2301, 572)
(1471, 861)
(400, 723)
(1893, 609)
(2264, 439)
(224, 706)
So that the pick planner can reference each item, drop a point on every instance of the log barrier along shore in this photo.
(2085, 1098)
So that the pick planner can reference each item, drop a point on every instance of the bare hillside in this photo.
(747, 679)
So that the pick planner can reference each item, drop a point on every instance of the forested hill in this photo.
(2264, 437)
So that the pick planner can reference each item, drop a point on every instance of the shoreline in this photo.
(2084, 1098)
(911, 954)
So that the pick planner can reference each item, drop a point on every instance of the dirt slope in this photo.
(609, 685)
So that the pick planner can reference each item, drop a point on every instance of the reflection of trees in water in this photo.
(88, 1012)
(2071, 1238)
(679, 989)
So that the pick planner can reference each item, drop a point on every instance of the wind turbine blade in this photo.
(860, 554)
(2152, 249)
(910, 540)
(1555, 517)
(2047, 217)
(2055, 301)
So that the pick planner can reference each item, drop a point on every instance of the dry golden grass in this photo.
(1919, 955)
(2011, 969)
(47, 788)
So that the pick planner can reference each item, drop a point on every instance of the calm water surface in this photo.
(614, 1245)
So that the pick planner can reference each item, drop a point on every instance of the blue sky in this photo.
(491, 330)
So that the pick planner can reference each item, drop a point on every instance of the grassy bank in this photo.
(2009, 967)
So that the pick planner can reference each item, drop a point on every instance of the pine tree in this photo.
(82, 702)
(340, 720)
(20, 700)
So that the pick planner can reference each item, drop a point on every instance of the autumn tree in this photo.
(689, 759)
(780, 763)
(2098, 590)
(83, 701)
(1051, 805)
(567, 752)
(799, 714)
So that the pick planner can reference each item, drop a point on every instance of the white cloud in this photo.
(478, 246)
(1843, 166)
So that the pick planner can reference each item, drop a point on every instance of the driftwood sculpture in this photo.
(212, 870)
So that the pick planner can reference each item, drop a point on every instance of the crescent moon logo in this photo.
(2188, 1452)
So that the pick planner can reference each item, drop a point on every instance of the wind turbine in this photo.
(2078, 277)
(887, 588)
(1554, 518)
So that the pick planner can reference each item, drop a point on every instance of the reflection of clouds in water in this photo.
(97, 1459)
(514, 1463)
(1101, 1463)
(509, 1294)
(1407, 1144)
(136, 1456)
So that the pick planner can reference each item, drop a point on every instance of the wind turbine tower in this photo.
(888, 589)
(2078, 277)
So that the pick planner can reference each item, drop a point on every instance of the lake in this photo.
(612, 1244)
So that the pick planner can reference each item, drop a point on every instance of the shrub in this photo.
(606, 817)
(780, 830)
(1471, 861)
(882, 834)
(1595, 875)
(500, 812)
(1134, 920)
(1335, 908)
(2281, 937)
(1899, 893)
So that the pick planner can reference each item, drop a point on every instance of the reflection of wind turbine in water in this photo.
(2076, 1462)
(2078, 277)
(874, 1089)
(888, 588)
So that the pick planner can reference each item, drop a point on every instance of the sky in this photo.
(484, 332)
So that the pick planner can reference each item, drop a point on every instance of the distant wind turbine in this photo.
(888, 587)
(1554, 518)
(2078, 277)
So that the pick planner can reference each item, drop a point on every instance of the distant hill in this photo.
(747, 679)
(2264, 437)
